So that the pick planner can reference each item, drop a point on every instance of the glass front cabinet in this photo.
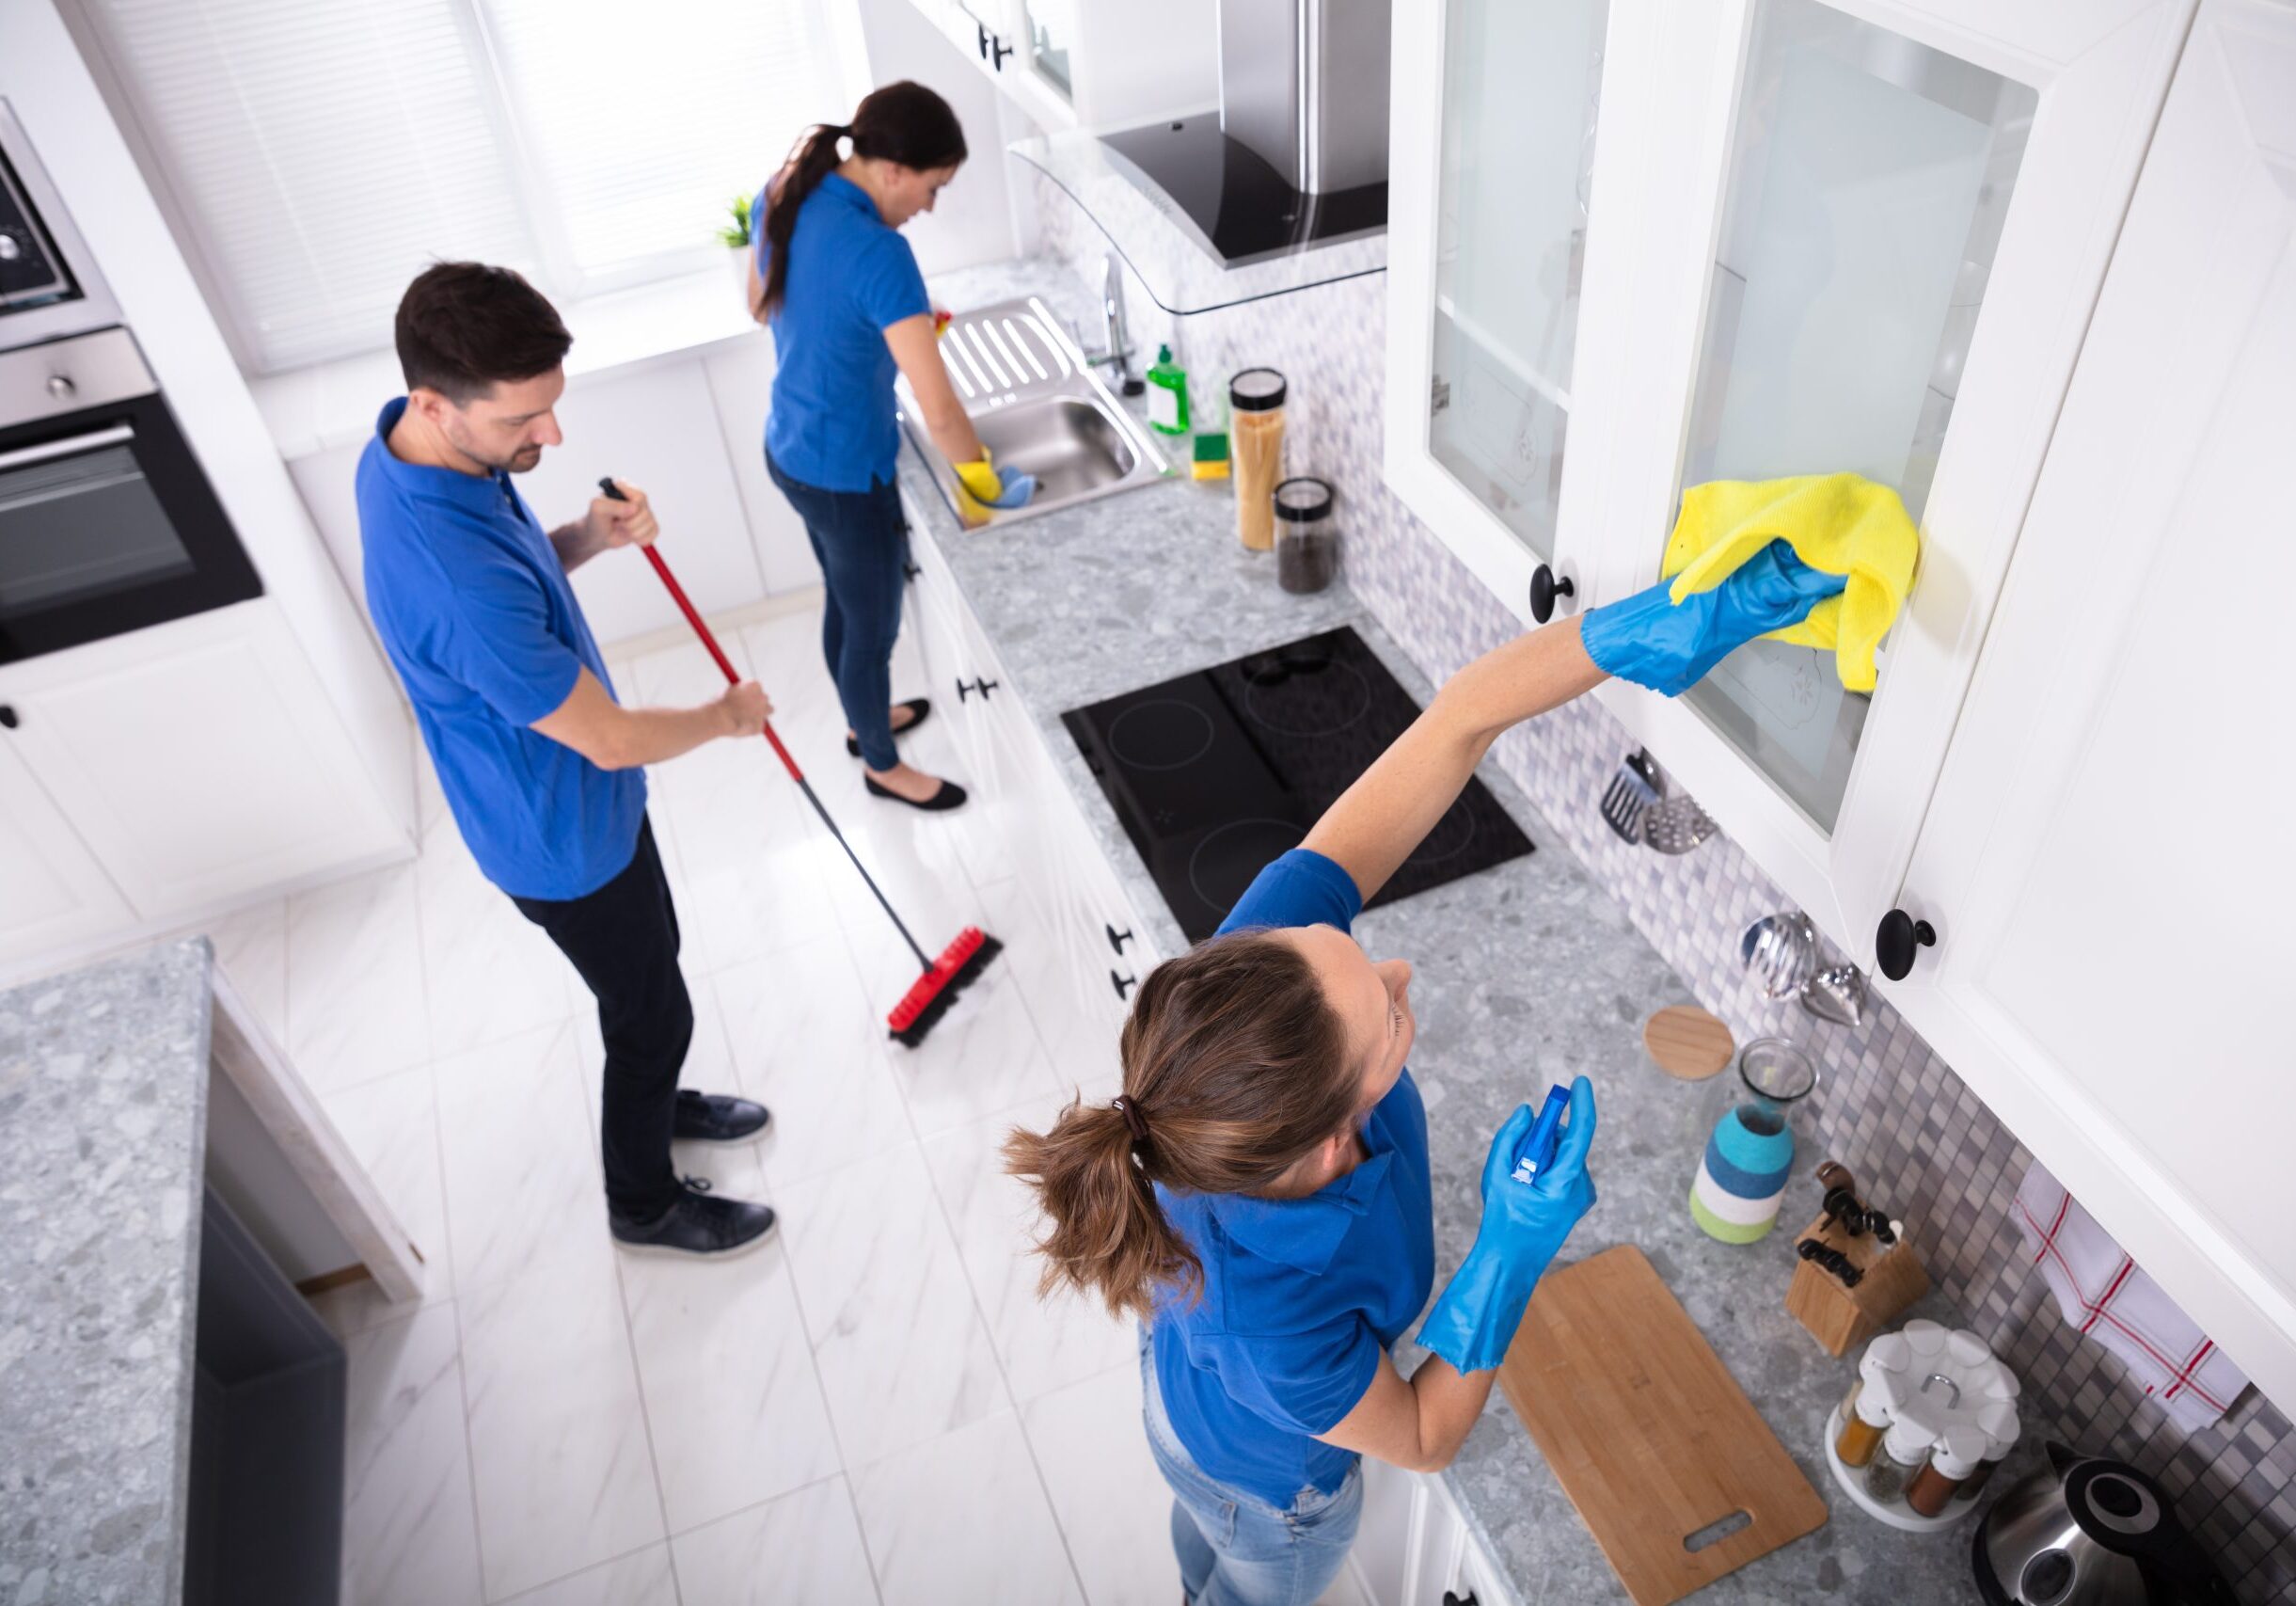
(1636, 246)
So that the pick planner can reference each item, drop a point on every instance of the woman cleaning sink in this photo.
(840, 289)
(1259, 1197)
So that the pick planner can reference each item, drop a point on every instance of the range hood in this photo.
(1296, 157)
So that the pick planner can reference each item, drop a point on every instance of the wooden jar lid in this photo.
(1688, 1042)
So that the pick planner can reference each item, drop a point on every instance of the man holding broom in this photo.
(542, 768)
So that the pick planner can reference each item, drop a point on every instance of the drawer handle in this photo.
(909, 569)
(977, 685)
(1115, 939)
(1122, 983)
(1899, 938)
(8, 717)
(1544, 588)
(999, 50)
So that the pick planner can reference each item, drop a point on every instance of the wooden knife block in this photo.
(1839, 1317)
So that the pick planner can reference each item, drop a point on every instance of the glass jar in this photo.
(1306, 536)
(1957, 1454)
(1862, 1426)
(1904, 1448)
(1256, 449)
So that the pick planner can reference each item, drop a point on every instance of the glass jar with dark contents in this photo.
(1307, 535)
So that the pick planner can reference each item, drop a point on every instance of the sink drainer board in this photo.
(1671, 1467)
(1038, 407)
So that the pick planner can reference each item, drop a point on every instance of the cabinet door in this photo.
(2108, 893)
(53, 893)
(199, 760)
(1493, 190)
(1868, 240)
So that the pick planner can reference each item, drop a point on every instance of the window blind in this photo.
(323, 151)
(639, 134)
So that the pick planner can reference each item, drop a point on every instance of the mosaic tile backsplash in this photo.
(1886, 1106)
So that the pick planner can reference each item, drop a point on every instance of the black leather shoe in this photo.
(919, 710)
(718, 1118)
(950, 796)
(699, 1223)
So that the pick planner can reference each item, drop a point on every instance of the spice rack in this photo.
(1896, 1513)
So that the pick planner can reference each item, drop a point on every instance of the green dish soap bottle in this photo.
(1167, 395)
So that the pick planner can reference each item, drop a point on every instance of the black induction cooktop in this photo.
(1217, 773)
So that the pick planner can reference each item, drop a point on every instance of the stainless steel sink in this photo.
(1037, 407)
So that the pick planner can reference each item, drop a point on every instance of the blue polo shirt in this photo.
(833, 422)
(476, 616)
(1301, 1295)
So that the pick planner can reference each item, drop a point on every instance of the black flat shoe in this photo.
(718, 1118)
(950, 796)
(699, 1224)
(920, 710)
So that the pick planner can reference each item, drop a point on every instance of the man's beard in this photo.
(518, 462)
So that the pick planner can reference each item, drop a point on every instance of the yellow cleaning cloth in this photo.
(1843, 524)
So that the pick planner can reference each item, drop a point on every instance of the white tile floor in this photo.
(876, 1407)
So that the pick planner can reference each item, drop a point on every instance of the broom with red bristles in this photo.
(929, 996)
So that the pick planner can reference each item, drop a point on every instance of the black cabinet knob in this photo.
(1544, 588)
(8, 717)
(910, 570)
(999, 50)
(1122, 983)
(1115, 939)
(1900, 937)
(981, 29)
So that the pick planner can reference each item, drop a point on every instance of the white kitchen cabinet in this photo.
(1414, 1547)
(1022, 815)
(198, 761)
(1492, 144)
(1097, 64)
(53, 892)
(1820, 234)
(2101, 865)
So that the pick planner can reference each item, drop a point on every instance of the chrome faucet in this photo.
(1116, 345)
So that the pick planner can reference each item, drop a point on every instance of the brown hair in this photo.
(904, 123)
(1235, 1065)
(463, 325)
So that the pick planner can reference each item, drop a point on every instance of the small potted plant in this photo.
(734, 235)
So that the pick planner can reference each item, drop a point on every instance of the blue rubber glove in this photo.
(1523, 1225)
(1668, 647)
(996, 486)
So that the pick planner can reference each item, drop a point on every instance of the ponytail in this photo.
(1235, 1066)
(1108, 1235)
(905, 123)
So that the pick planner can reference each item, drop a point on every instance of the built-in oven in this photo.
(108, 521)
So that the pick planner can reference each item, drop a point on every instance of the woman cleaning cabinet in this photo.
(1259, 1195)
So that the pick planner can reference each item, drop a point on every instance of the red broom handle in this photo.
(726, 665)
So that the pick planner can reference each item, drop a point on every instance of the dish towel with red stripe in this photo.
(2106, 1295)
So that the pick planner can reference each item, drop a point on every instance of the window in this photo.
(319, 153)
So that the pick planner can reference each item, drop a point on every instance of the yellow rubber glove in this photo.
(980, 480)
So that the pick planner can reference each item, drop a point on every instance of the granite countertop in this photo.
(103, 1121)
(1527, 974)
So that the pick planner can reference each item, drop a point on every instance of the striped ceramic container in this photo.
(1743, 1176)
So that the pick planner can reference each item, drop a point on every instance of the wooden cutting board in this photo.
(1653, 1441)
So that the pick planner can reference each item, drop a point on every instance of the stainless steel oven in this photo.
(107, 522)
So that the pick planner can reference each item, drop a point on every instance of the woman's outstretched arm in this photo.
(1394, 804)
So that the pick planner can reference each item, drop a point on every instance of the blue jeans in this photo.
(862, 542)
(1235, 1548)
